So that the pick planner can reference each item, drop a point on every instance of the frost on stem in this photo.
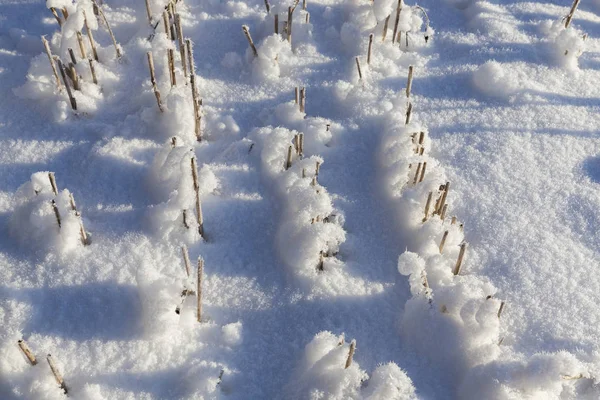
(199, 289)
(250, 41)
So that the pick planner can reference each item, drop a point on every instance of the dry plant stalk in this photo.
(81, 45)
(370, 49)
(93, 71)
(302, 145)
(296, 95)
(82, 232)
(52, 180)
(165, 18)
(398, 9)
(453, 221)
(199, 289)
(199, 217)
(297, 143)
(408, 114)
(72, 202)
(288, 159)
(268, 6)
(303, 100)
(186, 260)
(350, 354)
(385, 28)
(320, 265)
(443, 242)
(423, 172)
(56, 213)
(276, 24)
(148, 12)
(307, 17)
(171, 10)
(427, 204)
(58, 19)
(25, 349)
(409, 82)
(185, 223)
(72, 55)
(250, 41)
(74, 77)
(289, 24)
(65, 13)
(110, 32)
(153, 81)
(501, 309)
(317, 168)
(304, 4)
(443, 200)
(459, 261)
(49, 53)
(417, 173)
(569, 17)
(443, 213)
(195, 97)
(181, 44)
(90, 36)
(171, 60)
(56, 373)
(358, 68)
(64, 77)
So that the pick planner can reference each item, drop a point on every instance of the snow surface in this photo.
(300, 267)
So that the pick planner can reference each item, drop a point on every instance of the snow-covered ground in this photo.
(323, 274)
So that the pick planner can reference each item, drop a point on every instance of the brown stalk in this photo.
(25, 349)
(153, 81)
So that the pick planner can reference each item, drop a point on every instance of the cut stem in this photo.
(49, 53)
(288, 159)
(398, 9)
(370, 49)
(350, 354)
(250, 41)
(195, 96)
(443, 242)
(199, 217)
(56, 373)
(289, 24)
(199, 289)
(409, 81)
(408, 114)
(90, 37)
(171, 60)
(427, 204)
(25, 349)
(571, 13)
(358, 68)
(110, 32)
(153, 81)
(56, 213)
(52, 180)
(459, 261)
(64, 77)
(186, 260)
(385, 28)
(93, 71)
(423, 172)
(81, 46)
(179, 28)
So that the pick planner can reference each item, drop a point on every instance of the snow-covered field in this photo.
(373, 236)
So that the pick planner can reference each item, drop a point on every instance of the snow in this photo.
(324, 277)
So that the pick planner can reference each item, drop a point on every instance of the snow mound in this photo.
(328, 371)
(492, 79)
(43, 220)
